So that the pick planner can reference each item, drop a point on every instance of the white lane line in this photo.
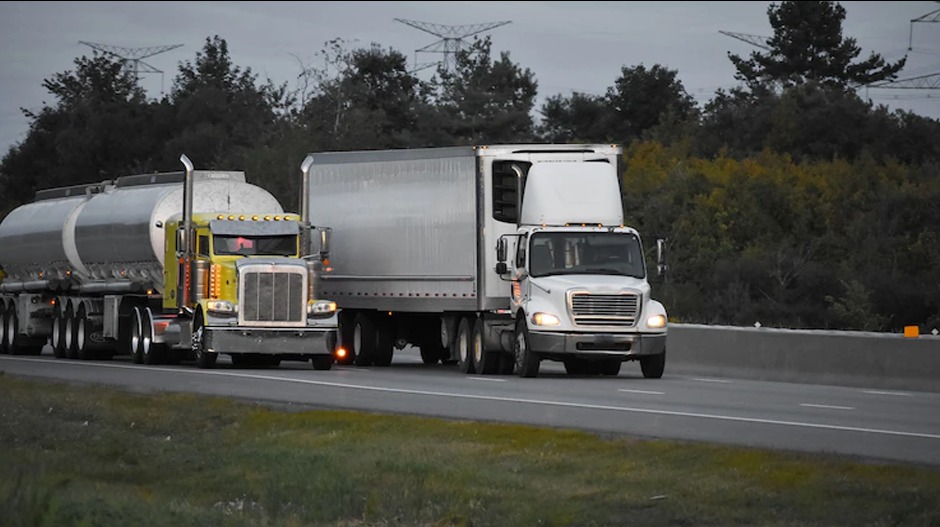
(487, 379)
(627, 409)
(702, 379)
(646, 392)
(879, 392)
(827, 406)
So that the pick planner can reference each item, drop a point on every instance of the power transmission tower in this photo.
(933, 16)
(132, 58)
(754, 40)
(922, 82)
(451, 39)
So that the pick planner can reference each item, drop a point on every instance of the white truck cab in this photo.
(580, 293)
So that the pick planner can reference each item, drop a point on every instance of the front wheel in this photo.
(653, 366)
(204, 359)
(527, 361)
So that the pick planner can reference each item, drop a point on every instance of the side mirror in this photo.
(661, 266)
(501, 251)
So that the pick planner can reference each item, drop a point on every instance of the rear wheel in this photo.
(364, 338)
(485, 362)
(58, 331)
(4, 347)
(71, 335)
(322, 362)
(137, 355)
(527, 361)
(83, 348)
(384, 341)
(653, 366)
(464, 344)
(152, 353)
(576, 366)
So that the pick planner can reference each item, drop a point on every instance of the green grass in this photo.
(96, 456)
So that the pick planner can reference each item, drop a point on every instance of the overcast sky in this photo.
(568, 46)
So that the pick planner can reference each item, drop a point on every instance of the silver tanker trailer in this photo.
(164, 267)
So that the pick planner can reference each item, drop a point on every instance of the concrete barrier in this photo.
(845, 358)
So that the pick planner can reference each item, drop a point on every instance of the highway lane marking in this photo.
(827, 406)
(646, 392)
(702, 379)
(486, 379)
(879, 392)
(625, 409)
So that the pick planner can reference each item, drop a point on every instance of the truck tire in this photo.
(346, 333)
(384, 341)
(575, 366)
(364, 340)
(204, 359)
(653, 366)
(83, 347)
(152, 353)
(485, 362)
(609, 367)
(4, 348)
(58, 330)
(137, 356)
(431, 350)
(463, 342)
(322, 362)
(71, 346)
(527, 360)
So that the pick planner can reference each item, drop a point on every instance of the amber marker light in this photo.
(340, 353)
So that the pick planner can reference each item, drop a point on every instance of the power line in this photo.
(451, 39)
(755, 40)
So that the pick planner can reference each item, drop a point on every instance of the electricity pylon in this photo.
(755, 40)
(933, 16)
(451, 39)
(132, 58)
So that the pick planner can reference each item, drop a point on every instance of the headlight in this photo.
(545, 319)
(321, 308)
(220, 307)
(656, 321)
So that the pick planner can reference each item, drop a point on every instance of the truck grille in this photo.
(272, 298)
(589, 309)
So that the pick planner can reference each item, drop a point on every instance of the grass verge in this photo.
(91, 455)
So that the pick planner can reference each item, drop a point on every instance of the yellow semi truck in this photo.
(166, 267)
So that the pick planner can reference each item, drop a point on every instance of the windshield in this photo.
(285, 245)
(585, 253)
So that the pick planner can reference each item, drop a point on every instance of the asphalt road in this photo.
(875, 424)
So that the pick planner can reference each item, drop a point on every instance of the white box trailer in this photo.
(419, 249)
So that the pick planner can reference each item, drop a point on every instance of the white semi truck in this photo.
(165, 267)
(494, 257)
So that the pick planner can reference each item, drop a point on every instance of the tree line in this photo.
(788, 200)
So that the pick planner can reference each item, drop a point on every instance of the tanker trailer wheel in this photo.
(364, 340)
(653, 366)
(83, 347)
(204, 359)
(58, 330)
(4, 348)
(464, 345)
(527, 361)
(137, 356)
(71, 349)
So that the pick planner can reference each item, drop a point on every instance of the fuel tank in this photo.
(112, 233)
